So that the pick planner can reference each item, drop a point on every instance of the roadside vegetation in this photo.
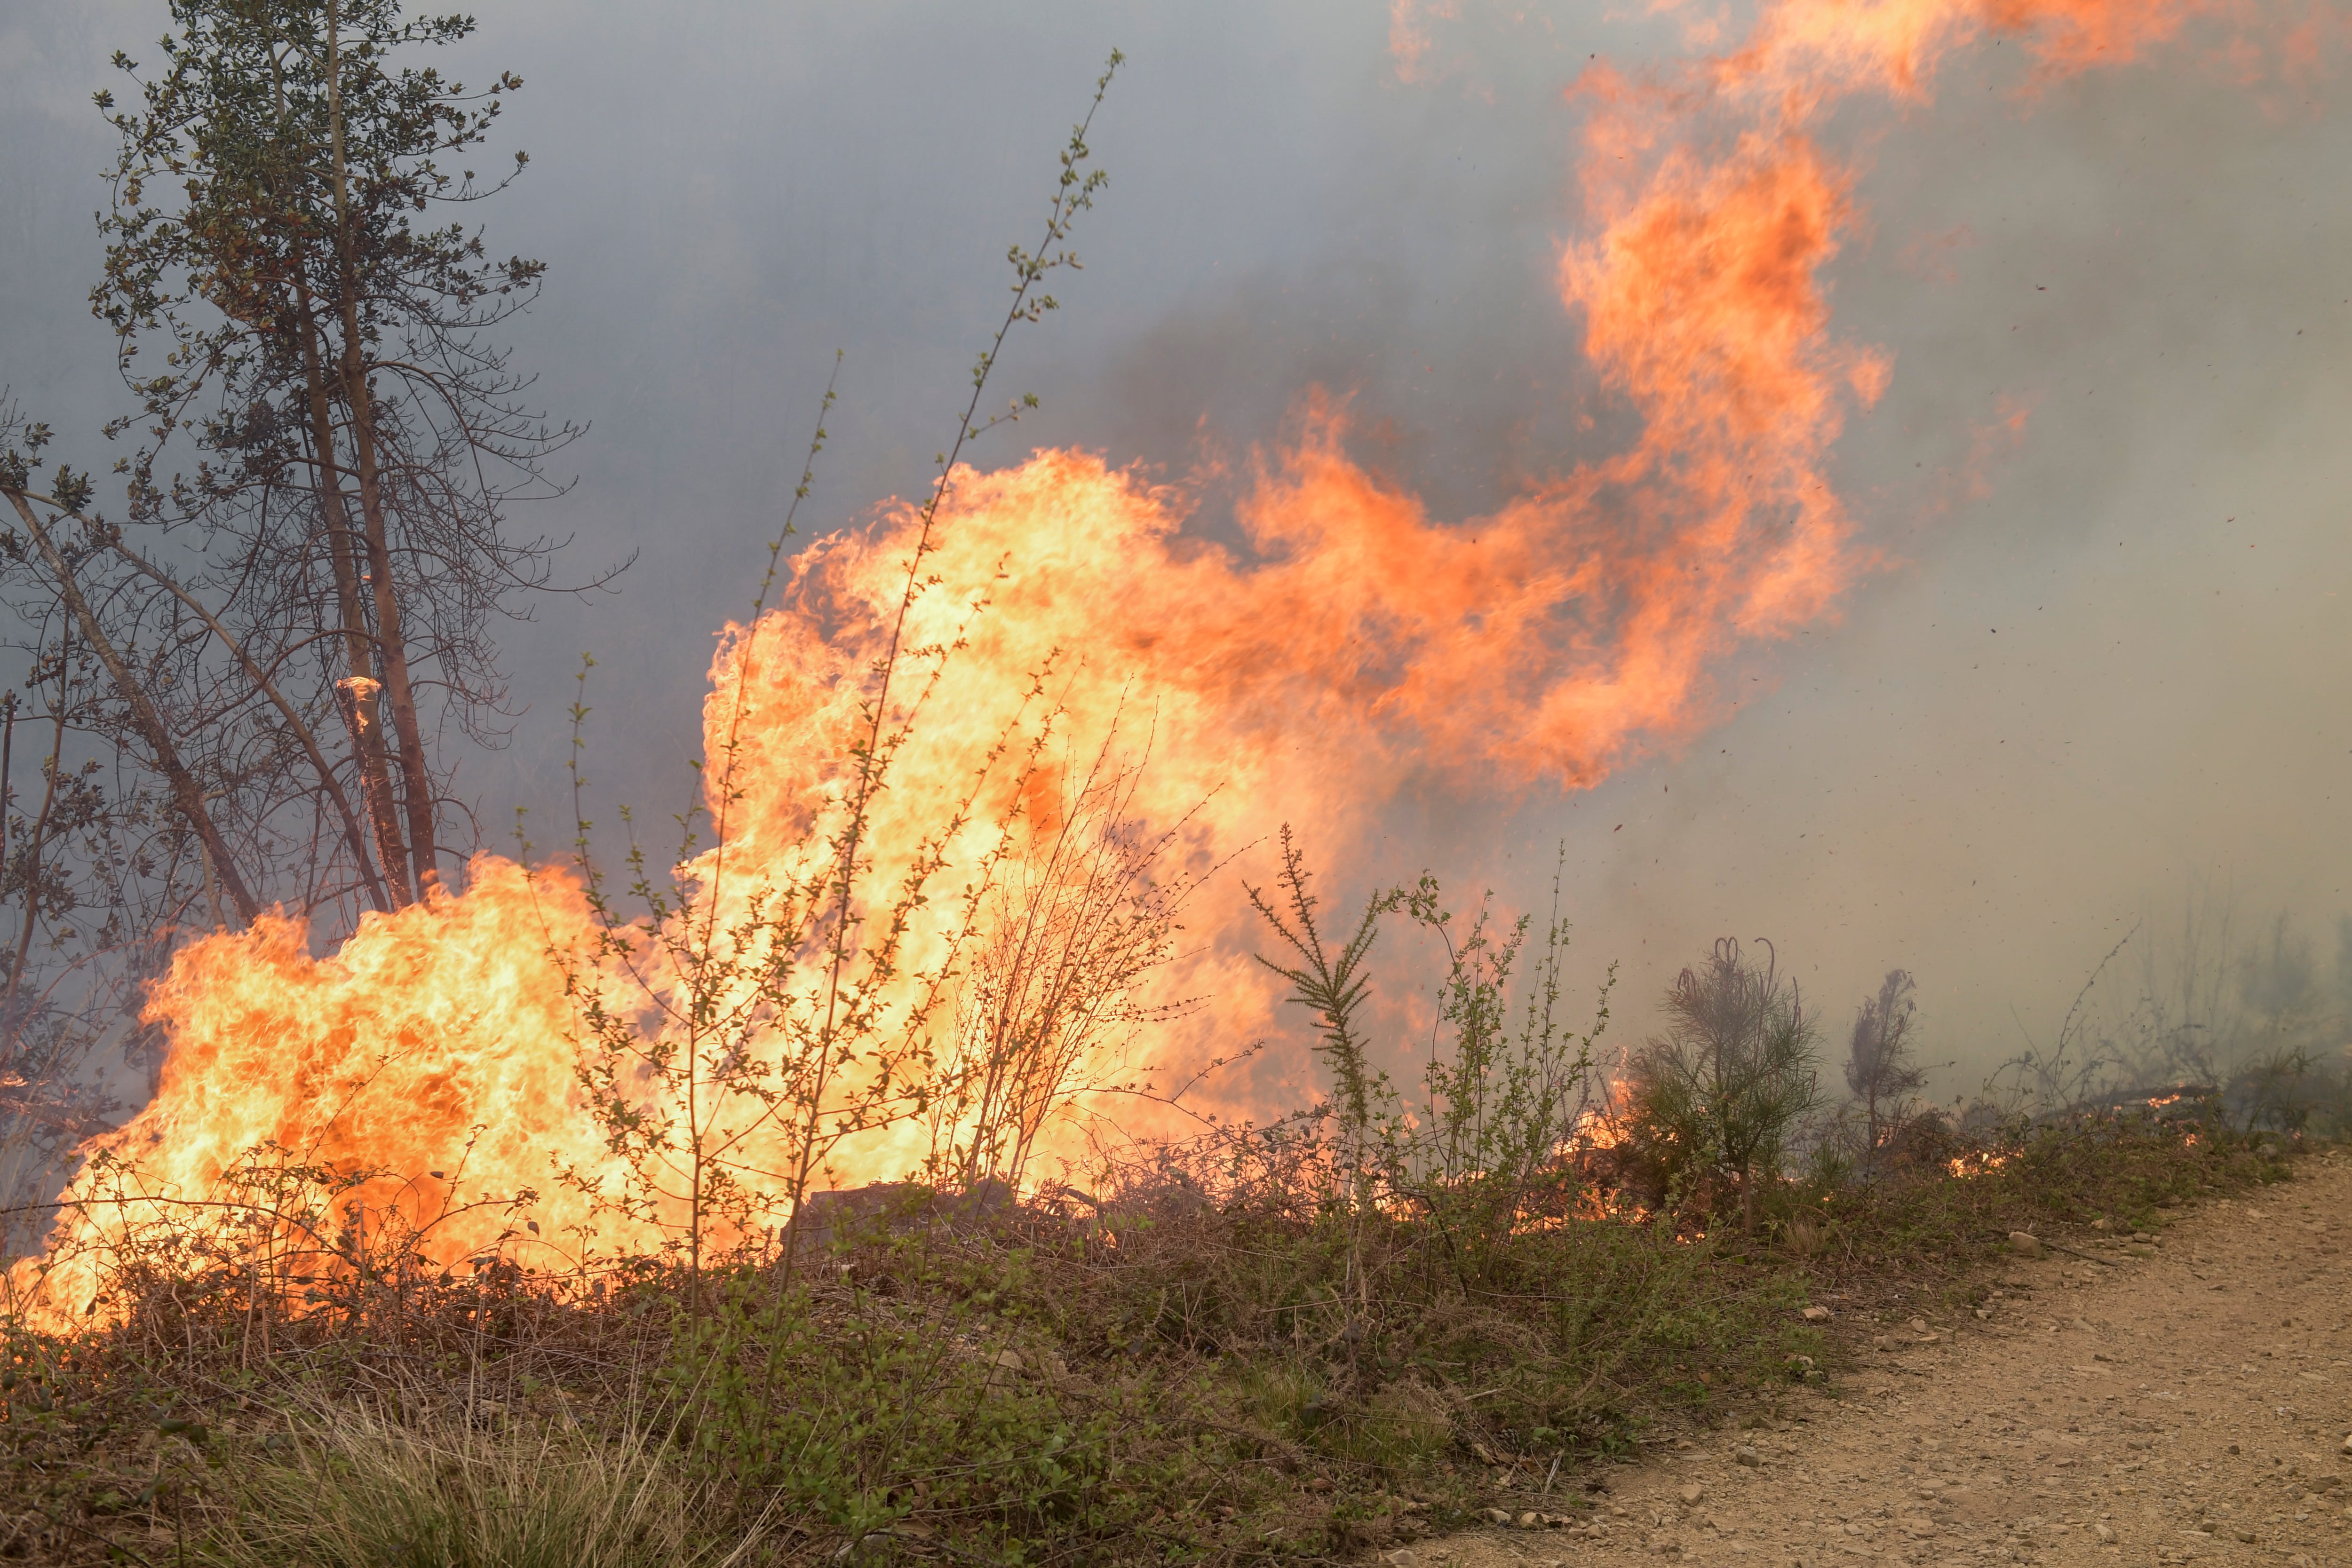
(1388, 1314)
(1233, 1351)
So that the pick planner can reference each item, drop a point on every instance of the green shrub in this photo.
(1712, 1102)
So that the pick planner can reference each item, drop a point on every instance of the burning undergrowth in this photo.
(1387, 1314)
(1222, 1352)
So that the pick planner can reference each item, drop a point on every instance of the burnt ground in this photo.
(2185, 1401)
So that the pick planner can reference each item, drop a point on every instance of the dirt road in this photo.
(2188, 1403)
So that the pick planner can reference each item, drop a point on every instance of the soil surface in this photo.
(2184, 1399)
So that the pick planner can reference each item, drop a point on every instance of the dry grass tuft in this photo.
(344, 1485)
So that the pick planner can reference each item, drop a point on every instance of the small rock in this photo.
(2243, 1533)
(1983, 1314)
(2104, 1534)
(2100, 1223)
(1531, 1520)
(1817, 1314)
(2025, 1244)
(1748, 1455)
(1497, 1516)
(1691, 1493)
(1400, 1558)
(2347, 1449)
(1918, 1325)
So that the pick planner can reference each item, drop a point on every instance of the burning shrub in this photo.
(1712, 1102)
(1482, 1142)
(1923, 1140)
(1082, 912)
(1880, 1067)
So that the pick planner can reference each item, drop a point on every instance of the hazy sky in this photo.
(2103, 660)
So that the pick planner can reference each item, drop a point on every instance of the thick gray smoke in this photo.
(2105, 659)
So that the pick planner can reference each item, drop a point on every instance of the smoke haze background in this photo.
(2105, 659)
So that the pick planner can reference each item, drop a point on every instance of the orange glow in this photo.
(1348, 646)
(1409, 33)
(1597, 1130)
(1976, 1164)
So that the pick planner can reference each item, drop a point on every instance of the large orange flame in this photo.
(1347, 643)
